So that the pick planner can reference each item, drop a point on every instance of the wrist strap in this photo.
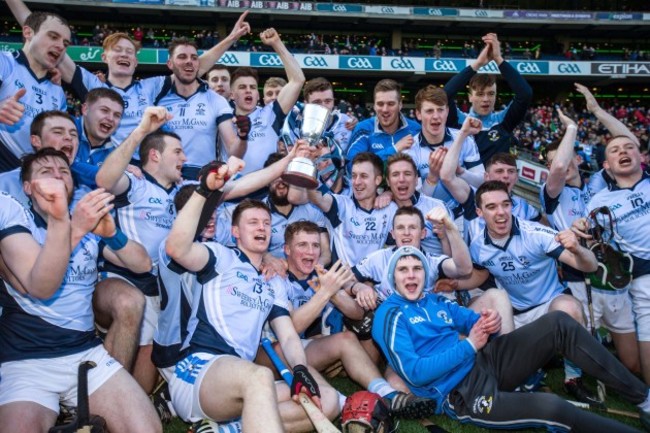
(117, 241)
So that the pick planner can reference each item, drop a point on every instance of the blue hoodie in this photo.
(421, 341)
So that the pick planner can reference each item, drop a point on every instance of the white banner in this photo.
(412, 64)
(480, 13)
(317, 61)
(569, 68)
(531, 172)
(387, 10)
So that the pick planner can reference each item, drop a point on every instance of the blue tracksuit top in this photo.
(421, 341)
(368, 136)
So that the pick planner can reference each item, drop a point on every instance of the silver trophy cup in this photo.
(301, 171)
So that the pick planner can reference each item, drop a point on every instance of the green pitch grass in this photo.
(554, 380)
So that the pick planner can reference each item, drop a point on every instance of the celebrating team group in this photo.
(412, 266)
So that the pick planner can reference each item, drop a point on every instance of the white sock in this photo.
(381, 387)
(342, 399)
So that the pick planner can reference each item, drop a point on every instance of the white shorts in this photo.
(50, 381)
(640, 293)
(532, 315)
(185, 384)
(151, 313)
(612, 309)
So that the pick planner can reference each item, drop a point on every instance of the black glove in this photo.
(303, 380)
(362, 328)
(211, 167)
(243, 126)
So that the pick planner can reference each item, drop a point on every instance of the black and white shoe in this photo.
(408, 406)
(577, 389)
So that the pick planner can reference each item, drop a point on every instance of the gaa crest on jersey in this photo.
(525, 263)
(493, 135)
(482, 404)
(200, 109)
(442, 315)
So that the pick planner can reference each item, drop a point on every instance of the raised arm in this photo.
(457, 187)
(563, 156)
(212, 56)
(258, 179)
(323, 201)
(180, 244)
(39, 270)
(613, 125)
(296, 79)
(522, 90)
(574, 254)
(460, 265)
(120, 250)
(111, 174)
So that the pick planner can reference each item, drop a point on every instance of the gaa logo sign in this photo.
(481, 13)
(528, 68)
(490, 68)
(269, 60)
(444, 66)
(339, 8)
(387, 10)
(568, 68)
(229, 59)
(359, 63)
(402, 64)
(315, 61)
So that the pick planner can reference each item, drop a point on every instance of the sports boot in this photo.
(408, 406)
(579, 391)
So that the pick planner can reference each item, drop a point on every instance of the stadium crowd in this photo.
(174, 222)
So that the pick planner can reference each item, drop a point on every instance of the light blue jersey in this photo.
(145, 213)
(474, 224)
(196, 119)
(568, 206)
(234, 302)
(374, 269)
(630, 208)
(266, 123)
(421, 149)
(176, 297)
(42, 95)
(279, 222)
(525, 266)
(356, 232)
(61, 325)
(139, 95)
(10, 183)
(431, 242)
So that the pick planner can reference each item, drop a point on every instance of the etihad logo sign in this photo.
(359, 62)
(620, 68)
